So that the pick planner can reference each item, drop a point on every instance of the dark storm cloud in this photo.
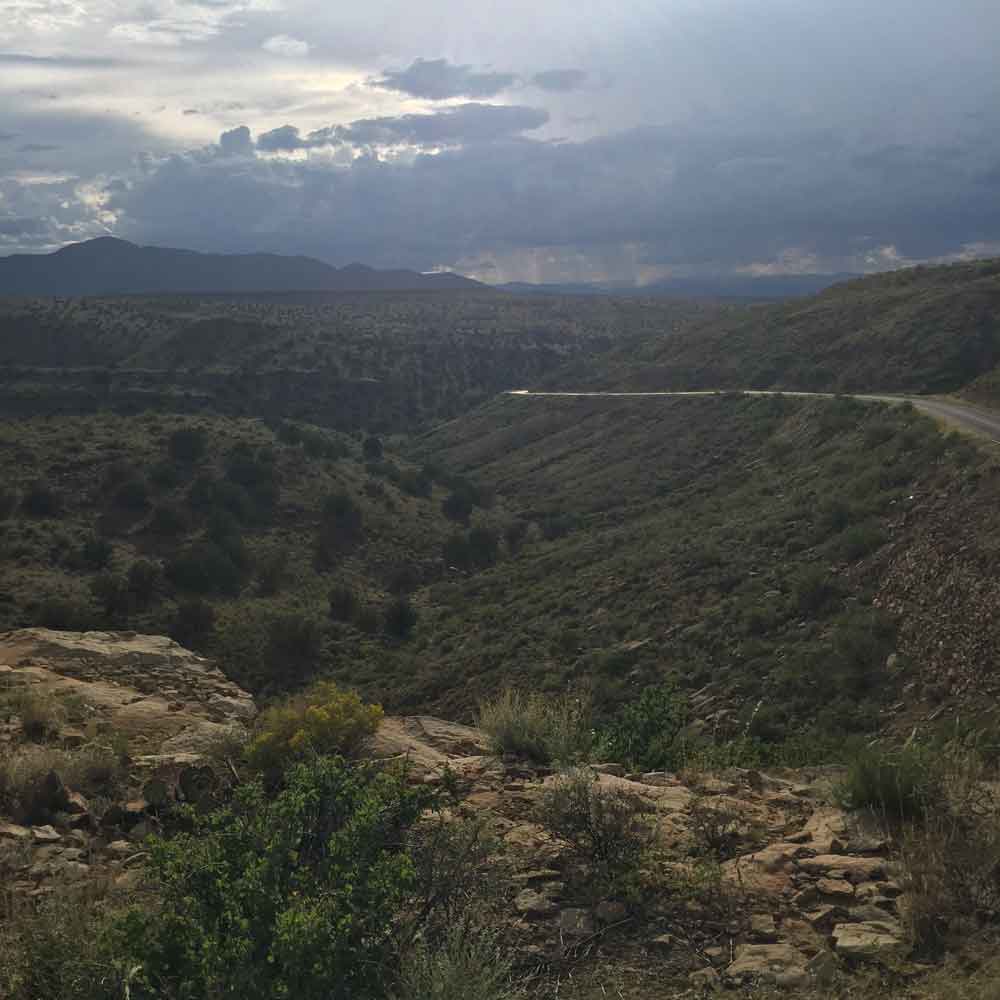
(682, 196)
(467, 123)
(438, 80)
(236, 142)
(559, 79)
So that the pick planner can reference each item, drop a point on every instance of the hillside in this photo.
(784, 558)
(926, 329)
(110, 266)
(374, 361)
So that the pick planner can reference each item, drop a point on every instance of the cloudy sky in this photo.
(523, 139)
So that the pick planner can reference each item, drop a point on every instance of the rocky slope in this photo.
(763, 880)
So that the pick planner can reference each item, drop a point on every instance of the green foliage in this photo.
(205, 568)
(371, 449)
(343, 602)
(193, 624)
(400, 618)
(341, 527)
(95, 552)
(290, 897)
(610, 828)
(898, 785)
(143, 581)
(294, 644)
(169, 521)
(646, 733)
(133, 494)
(541, 727)
(324, 719)
(40, 500)
(187, 445)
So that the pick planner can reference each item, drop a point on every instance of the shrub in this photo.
(400, 618)
(41, 714)
(70, 613)
(205, 568)
(133, 494)
(341, 525)
(343, 603)
(165, 475)
(898, 785)
(112, 594)
(290, 897)
(646, 733)
(272, 570)
(813, 591)
(168, 521)
(372, 449)
(60, 948)
(951, 857)
(458, 507)
(294, 643)
(608, 827)
(193, 623)
(324, 719)
(142, 581)
(95, 552)
(187, 445)
(40, 500)
(484, 546)
(8, 503)
(468, 962)
(542, 728)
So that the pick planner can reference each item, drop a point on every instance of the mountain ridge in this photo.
(108, 265)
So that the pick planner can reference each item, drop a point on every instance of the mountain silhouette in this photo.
(110, 266)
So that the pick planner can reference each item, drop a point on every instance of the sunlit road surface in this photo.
(984, 423)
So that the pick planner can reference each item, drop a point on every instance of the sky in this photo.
(537, 140)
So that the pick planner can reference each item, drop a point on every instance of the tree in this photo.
(372, 449)
(400, 618)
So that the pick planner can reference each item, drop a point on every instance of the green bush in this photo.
(205, 568)
(168, 521)
(898, 785)
(187, 445)
(325, 719)
(290, 897)
(95, 552)
(645, 734)
(610, 828)
(133, 494)
(143, 581)
(294, 644)
(193, 624)
(542, 728)
(400, 618)
(40, 500)
(343, 603)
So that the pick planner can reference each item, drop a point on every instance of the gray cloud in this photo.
(466, 123)
(559, 79)
(63, 61)
(37, 147)
(438, 79)
(236, 142)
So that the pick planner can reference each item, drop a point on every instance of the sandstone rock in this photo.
(836, 889)
(827, 830)
(45, 835)
(616, 770)
(871, 939)
(867, 912)
(823, 918)
(12, 831)
(534, 905)
(662, 943)
(762, 928)
(854, 869)
(780, 964)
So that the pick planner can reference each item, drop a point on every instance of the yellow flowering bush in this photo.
(324, 720)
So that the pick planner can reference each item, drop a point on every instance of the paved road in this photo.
(984, 423)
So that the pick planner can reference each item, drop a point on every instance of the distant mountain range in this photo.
(742, 287)
(109, 266)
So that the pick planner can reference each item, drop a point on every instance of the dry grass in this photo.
(91, 770)
(41, 714)
(539, 727)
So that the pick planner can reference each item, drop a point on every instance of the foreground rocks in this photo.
(800, 889)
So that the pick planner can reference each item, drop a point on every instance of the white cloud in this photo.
(285, 45)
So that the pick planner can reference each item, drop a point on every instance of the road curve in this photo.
(983, 423)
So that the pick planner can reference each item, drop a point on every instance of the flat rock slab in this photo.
(780, 964)
(853, 869)
(871, 939)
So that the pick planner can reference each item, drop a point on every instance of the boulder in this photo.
(853, 869)
(534, 905)
(869, 939)
(780, 964)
